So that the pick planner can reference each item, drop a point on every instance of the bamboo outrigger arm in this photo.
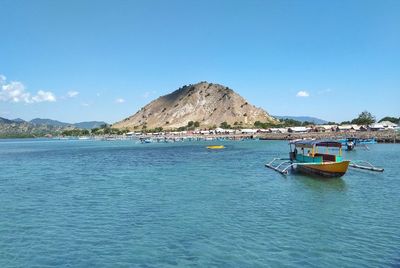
(287, 163)
(361, 164)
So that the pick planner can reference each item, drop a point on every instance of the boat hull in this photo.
(330, 169)
(215, 147)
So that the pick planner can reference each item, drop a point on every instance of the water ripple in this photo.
(121, 204)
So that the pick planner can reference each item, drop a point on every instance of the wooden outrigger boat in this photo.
(306, 156)
(311, 160)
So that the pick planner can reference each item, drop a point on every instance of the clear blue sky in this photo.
(82, 60)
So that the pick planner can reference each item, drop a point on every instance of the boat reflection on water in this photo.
(321, 184)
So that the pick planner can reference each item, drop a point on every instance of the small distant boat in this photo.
(215, 147)
(351, 144)
(142, 140)
(367, 141)
(358, 141)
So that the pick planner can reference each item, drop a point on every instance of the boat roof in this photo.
(312, 143)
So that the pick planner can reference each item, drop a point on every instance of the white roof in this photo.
(263, 130)
(249, 130)
(345, 127)
(299, 129)
(376, 125)
(388, 124)
(326, 127)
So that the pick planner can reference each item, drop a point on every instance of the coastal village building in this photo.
(350, 128)
(299, 129)
(249, 131)
(376, 127)
(388, 125)
(277, 130)
(325, 128)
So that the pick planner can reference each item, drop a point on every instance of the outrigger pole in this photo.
(282, 167)
(369, 166)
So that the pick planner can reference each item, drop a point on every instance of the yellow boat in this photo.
(314, 162)
(215, 147)
(326, 169)
(307, 157)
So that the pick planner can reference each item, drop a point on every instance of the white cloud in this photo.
(14, 91)
(44, 96)
(85, 104)
(2, 79)
(120, 100)
(302, 93)
(72, 93)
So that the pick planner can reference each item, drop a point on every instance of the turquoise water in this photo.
(122, 204)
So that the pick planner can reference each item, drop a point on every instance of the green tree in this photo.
(290, 122)
(365, 118)
(224, 125)
(197, 124)
(390, 119)
(94, 130)
(307, 123)
(190, 124)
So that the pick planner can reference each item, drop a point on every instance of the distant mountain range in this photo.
(38, 126)
(302, 119)
(55, 123)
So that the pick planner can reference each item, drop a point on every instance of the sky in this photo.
(81, 60)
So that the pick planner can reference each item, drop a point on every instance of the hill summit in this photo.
(207, 103)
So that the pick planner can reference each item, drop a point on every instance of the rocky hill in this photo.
(11, 128)
(56, 123)
(40, 127)
(207, 103)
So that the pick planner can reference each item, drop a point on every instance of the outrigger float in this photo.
(305, 156)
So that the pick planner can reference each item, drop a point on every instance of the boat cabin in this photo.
(310, 151)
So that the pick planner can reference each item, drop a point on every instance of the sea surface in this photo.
(124, 204)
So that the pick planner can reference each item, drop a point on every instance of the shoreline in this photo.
(380, 136)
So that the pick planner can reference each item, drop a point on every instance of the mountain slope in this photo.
(89, 124)
(303, 119)
(5, 121)
(9, 128)
(209, 104)
(55, 123)
(50, 122)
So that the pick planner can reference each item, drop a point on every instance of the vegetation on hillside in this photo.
(390, 119)
(282, 123)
